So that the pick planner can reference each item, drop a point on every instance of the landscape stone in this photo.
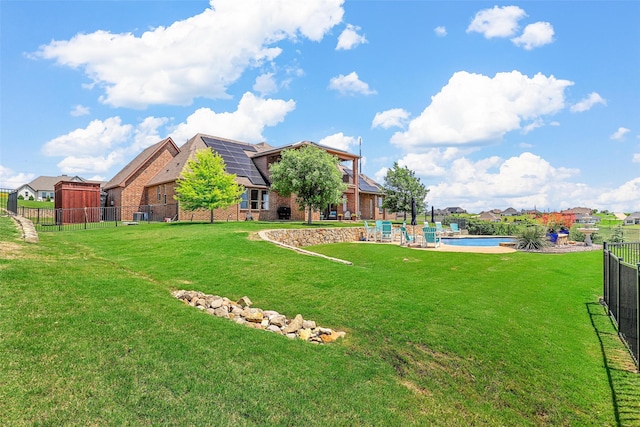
(242, 313)
(294, 325)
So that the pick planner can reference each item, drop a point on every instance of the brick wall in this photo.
(134, 193)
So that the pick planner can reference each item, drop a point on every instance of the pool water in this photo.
(476, 241)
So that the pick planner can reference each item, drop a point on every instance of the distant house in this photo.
(150, 180)
(632, 219)
(509, 212)
(578, 211)
(489, 216)
(455, 210)
(530, 212)
(43, 187)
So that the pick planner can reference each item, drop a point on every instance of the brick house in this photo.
(149, 181)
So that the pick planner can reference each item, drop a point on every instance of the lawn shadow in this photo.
(624, 380)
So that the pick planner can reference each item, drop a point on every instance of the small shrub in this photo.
(31, 198)
(617, 235)
(20, 197)
(575, 235)
(531, 238)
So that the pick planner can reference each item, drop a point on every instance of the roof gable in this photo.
(138, 162)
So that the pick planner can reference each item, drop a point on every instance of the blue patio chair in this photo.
(405, 236)
(454, 228)
(439, 228)
(431, 236)
(378, 228)
(386, 233)
(369, 232)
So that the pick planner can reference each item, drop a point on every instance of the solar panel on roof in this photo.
(236, 160)
(365, 186)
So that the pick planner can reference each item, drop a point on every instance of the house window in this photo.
(244, 200)
(159, 194)
(257, 199)
(380, 204)
(51, 195)
(43, 195)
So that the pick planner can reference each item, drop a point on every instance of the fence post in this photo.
(620, 260)
(637, 355)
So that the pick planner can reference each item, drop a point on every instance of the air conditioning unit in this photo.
(139, 216)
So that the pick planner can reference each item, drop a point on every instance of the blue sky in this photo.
(492, 104)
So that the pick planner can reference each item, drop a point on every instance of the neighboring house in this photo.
(619, 215)
(489, 216)
(578, 211)
(509, 212)
(150, 180)
(632, 219)
(42, 187)
(534, 212)
(455, 210)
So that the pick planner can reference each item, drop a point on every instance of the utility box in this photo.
(77, 202)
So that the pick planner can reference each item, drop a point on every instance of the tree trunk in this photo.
(309, 217)
(211, 220)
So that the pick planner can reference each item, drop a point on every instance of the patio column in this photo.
(356, 182)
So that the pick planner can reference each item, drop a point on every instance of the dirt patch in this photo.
(10, 250)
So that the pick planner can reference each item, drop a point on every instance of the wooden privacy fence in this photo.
(621, 269)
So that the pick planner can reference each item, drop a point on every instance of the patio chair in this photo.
(439, 228)
(454, 228)
(405, 236)
(386, 233)
(431, 236)
(378, 228)
(369, 232)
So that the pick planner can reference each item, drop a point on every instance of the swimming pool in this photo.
(476, 241)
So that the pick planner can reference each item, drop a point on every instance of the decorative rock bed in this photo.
(242, 313)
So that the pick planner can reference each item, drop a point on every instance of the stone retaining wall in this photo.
(315, 236)
(29, 233)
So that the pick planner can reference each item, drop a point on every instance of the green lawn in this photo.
(90, 335)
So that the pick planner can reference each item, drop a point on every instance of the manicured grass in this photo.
(36, 204)
(90, 335)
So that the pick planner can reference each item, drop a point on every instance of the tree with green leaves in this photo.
(205, 184)
(400, 186)
(311, 174)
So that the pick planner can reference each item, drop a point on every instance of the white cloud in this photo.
(11, 180)
(535, 35)
(80, 110)
(200, 56)
(622, 199)
(619, 134)
(440, 31)
(588, 102)
(524, 181)
(396, 117)
(497, 22)
(265, 84)
(533, 125)
(98, 137)
(474, 108)
(636, 158)
(350, 85)
(425, 164)
(245, 124)
(380, 174)
(90, 164)
(146, 133)
(349, 38)
(339, 141)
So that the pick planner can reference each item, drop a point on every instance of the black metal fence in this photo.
(50, 219)
(622, 291)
